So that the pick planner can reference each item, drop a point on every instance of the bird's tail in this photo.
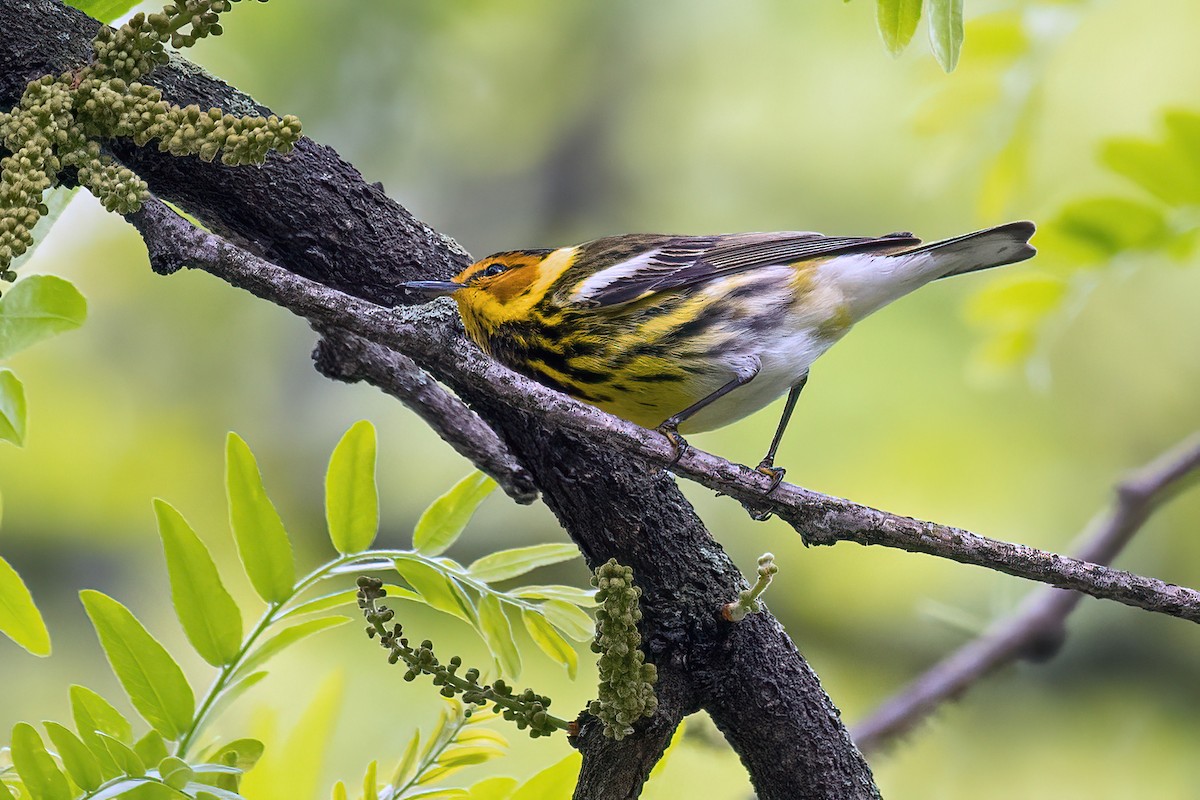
(869, 281)
(993, 247)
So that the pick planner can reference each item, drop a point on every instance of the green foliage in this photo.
(20, 619)
(445, 520)
(457, 741)
(1088, 233)
(897, 21)
(100, 758)
(626, 692)
(351, 496)
(261, 539)
(60, 122)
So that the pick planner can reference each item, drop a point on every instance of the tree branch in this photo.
(1037, 629)
(345, 357)
(433, 337)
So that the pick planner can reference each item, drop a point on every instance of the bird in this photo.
(683, 334)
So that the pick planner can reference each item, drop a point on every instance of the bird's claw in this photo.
(679, 445)
(773, 472)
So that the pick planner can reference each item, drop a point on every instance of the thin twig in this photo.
(1037, 628)
(346, 357)
(432, 337)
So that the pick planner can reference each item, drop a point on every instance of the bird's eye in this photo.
(492, 270)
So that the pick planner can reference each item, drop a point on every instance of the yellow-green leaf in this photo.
(897, 20)
(175, 772)
(446, 517)
(261, 538)
(1113, 225)
(497, 632)
(41, 776)
(36, 308)
(20, 619)
(436, 589)
(152, 679)
(505, 564)
(93, 714)
(371, 781)
(351, 495)
(76, 758)
(285, 639)
(210, 617)
(946, 31)
(556, 782)
(550, 642)
(151, 748)
(12, 408)
(570, 619)
(1016, 300)
(104, 10)
(499, 787)
(126, 758)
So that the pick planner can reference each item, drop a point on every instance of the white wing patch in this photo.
(593, 285)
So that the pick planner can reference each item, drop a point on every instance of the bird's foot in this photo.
(766, 467)
(679, 445)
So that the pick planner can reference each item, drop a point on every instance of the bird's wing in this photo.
(680, 262)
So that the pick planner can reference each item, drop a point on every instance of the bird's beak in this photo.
(432, 289)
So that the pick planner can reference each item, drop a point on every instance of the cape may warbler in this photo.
(689, 333)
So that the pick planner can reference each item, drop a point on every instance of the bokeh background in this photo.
(532, 123)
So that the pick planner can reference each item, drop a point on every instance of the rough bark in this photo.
(314, 213)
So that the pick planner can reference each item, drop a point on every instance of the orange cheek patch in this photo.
(511, 284)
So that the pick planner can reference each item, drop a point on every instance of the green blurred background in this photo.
(528, 124)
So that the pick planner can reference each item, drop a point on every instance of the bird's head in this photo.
(498, 289)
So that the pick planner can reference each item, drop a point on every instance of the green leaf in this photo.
(371, 781)
(92, 714)
(499, 787)
(175, 772)
(897, 20)
(104, 10)
(556, 782)
(246, 753)
(1016, 300)
(445, 519)
(261, 539)
(347, 597)
(56, 201)
(151, 748)
(551, 643)
(237, 688)
(126, 758)
(210, 617)
(76, 758)
(569, 619)
(436, 589)
(294, 769)
(1110, 226)
(408, 761)
(41, 776)
(505, 564)
(12, 408)
(554, 591)
(36, 308)
(285, 639)
(5, 792)
(946, 31)
(20, 619)
(497, 632)
(1170, 169)
(152, 679)
(141, 788)
(351, 496)
(339, 792)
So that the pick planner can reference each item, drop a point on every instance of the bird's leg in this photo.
(670, 426)
(767, 465)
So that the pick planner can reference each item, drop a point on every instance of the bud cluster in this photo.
(527, 708)
(60, 122)
(626, 681)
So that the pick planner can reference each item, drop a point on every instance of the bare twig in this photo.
(433, 337)
(1037, 628)
(346, 357)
